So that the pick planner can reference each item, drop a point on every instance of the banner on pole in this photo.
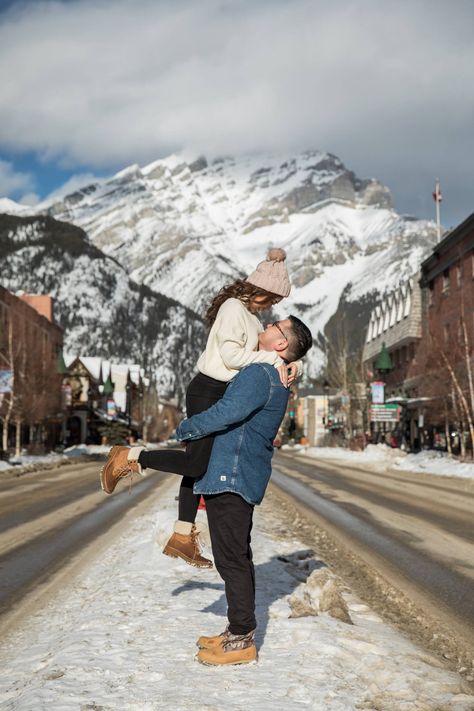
(6, 381)
(377, 388)
(111, 408)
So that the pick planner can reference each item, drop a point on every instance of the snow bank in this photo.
(29, 459)
(79, 450)
(436, 463)
(429, 461)
(122, 636)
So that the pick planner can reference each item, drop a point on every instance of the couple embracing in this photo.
(234, 406)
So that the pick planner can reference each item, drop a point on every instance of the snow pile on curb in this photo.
(79, 450)
(30, 461)
(122, 636)
(428, 461)
(436, 463)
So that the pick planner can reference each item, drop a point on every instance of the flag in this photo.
(437, 197)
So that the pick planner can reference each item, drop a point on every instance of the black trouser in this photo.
(230, 523)
(191, 463)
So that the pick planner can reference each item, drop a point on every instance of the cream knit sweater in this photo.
(232, 343)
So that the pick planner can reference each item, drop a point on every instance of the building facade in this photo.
(30, 342)
(426, 327)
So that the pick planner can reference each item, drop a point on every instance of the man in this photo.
(245, 422)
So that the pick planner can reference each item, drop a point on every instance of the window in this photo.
(459, 275)
(430, 293)
(446, 333)
(446, 281)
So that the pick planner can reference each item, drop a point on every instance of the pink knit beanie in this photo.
(272, 275)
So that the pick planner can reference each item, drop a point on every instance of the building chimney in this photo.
(42, 303)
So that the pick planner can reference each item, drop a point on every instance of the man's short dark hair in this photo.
(300, 339)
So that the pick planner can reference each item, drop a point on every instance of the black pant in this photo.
(230, 523)
(191, 463)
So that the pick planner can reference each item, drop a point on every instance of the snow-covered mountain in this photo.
(186, 227)
(102, 311)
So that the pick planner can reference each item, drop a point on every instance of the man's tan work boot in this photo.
(236, 649)
(121, 462)
(213, 642)
(184, 543)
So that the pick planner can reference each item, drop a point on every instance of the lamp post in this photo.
(326, 398)
(383, 366)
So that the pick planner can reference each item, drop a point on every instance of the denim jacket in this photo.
(245, 421)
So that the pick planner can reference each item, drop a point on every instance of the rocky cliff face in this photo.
(102, 311)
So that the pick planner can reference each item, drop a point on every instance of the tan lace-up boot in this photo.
(122, 462)
(236, 649)
(184, 543)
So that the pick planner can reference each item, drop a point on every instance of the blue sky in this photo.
(90, 86)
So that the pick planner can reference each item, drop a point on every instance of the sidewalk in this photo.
(122, 638)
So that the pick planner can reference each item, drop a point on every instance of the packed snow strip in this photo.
(428, 461)
(122, 636)
(77, 450)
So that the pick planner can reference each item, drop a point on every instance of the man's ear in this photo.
(281, 345)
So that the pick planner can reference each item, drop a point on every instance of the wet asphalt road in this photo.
(48, 517)
(416, 529)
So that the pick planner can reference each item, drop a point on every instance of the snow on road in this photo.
(121, 637)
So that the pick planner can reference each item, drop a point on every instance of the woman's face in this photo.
(263, 302)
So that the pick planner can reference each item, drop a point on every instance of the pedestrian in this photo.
(244, 422)
(231, 345)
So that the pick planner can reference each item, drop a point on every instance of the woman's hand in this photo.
(292, 370)
(283, 373)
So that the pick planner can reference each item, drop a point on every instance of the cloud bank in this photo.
(101, 83)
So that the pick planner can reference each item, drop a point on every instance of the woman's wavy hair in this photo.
(242, 290)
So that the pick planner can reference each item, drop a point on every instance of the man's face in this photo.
(274, 337)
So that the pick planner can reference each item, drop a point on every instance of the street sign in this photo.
(385, 413)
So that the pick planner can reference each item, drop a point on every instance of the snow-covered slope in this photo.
(102, 311)
(186, 227)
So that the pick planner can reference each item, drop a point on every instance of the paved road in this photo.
(48, 518)
(416, 529)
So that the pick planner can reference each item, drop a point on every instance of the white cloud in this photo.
(12, 181)
(30, 199)
(103, 83)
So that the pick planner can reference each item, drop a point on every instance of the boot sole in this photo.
(172, 553)
(225, 664)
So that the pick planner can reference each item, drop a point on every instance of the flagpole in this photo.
(438, 211)
(437, 197)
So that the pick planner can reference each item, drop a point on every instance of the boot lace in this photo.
(123, 473)
(198, 547)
